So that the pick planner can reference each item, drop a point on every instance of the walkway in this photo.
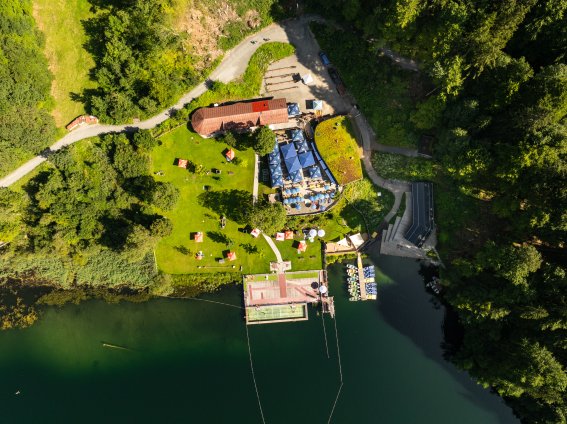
(274, 248)
(402, 62)
(364, 132)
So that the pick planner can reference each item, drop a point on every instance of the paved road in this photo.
(232, 66)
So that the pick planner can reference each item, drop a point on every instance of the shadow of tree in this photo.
(219, 237)
(234, 204)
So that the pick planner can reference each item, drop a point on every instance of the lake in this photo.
(187, 361)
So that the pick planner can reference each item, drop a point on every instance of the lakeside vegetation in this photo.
(26, 126)
(497, 105)
(338, 148)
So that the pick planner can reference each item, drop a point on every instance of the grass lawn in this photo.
(386, 94)
(398, 167)
(176, 254)
(60, 22)
(336, 143)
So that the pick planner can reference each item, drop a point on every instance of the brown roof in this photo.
(209, 120)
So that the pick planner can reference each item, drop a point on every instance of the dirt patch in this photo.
(204, 28)
(252, 19)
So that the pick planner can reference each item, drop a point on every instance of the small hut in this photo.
(182, 163)
(198, 237)
(280, 236)
(230, 155)
(302, 246)
(231, 256)
(255, 232)
(288, 235)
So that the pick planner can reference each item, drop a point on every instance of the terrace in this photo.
(297, 169)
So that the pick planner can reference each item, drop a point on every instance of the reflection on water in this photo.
(188, 361)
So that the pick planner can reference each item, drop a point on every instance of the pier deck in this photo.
(361, 278)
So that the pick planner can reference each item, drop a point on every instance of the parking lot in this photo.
(283, 77)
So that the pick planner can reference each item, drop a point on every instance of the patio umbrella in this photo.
(321, 233)
(312, 231)
(297, 206)
(313, 206)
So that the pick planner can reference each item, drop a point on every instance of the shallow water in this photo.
(187, 361)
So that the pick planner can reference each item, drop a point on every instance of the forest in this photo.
(26, 126)
(498, 108)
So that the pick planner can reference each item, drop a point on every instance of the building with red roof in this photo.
(182, 163)
(239, 116)
(230, 155)
(231, 256)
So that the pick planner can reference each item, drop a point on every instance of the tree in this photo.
(229, 139)
(264, 140)
(144, 141)
(161, 227)
(269, 217)
(165, 195)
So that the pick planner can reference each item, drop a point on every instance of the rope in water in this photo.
(325, 333)
(253, 376)
(204, 300)
(340, 373)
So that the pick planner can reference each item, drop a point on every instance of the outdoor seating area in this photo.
(296, 168)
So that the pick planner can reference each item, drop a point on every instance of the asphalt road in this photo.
(232, 66)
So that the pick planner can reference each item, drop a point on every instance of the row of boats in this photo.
(353, 282)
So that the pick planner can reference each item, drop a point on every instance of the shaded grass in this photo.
(336, 143)
(383, 91)
(70, 63)
(398, 167)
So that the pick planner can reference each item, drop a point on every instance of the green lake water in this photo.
(188, 363)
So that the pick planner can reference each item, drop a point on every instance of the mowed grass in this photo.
(60, 22)
(175, 254)
(336, 143)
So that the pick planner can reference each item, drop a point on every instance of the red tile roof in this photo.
(243, 115)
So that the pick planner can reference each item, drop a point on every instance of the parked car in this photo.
(324, 59)
(334, 75)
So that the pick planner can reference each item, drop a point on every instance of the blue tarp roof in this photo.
(277, 181)
(297, 135)
(315, 172)
(306, 159)
(288, 151)
(274, 158)
(296, 176)
(293, 109)
(301, 146)
(292, 164)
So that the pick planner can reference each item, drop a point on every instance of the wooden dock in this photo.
(361, 278)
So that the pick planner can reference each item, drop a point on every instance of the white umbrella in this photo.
(321, 233)
(312, 232)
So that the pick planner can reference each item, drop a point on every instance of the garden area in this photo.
(204, 197)
(386, 94)
(336, 143)
(399, 167)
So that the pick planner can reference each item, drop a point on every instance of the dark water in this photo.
(189, 363)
